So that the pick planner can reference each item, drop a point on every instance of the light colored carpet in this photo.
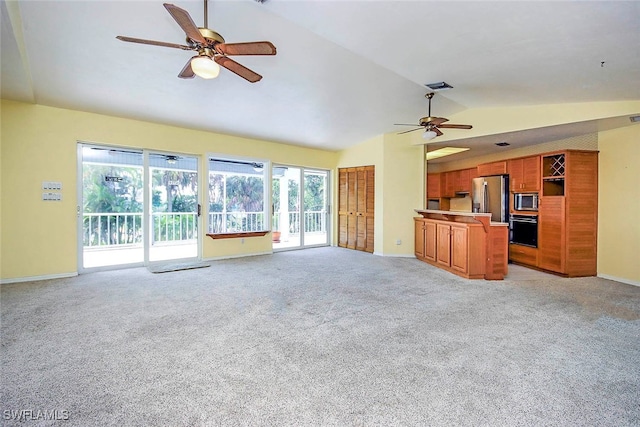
(323, 336)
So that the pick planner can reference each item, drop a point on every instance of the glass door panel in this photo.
(111, 209)
(286, 207)
(174, 207)
(300, 218)
(315, 208)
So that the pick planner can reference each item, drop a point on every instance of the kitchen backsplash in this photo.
(461, 204)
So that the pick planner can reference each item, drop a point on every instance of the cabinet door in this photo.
(443, 243)
(452, 180)
(419, 238)
(430, 249)
(459, 249)
(495, 168)
(531, 173)
(514, 169)
(464, 181)
(551, 234)
(433, 186)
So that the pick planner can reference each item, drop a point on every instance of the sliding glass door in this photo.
(136, 207)
(300, 207)
(174, 207)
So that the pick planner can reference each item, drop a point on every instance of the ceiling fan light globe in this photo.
(205, 67)
(428, 135)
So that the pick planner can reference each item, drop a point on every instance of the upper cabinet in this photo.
(451, 182)
(524, 174)
(434, 185)
(495, 168)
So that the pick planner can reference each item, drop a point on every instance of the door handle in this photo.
(199, 209)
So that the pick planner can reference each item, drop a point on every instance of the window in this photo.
(238, 196)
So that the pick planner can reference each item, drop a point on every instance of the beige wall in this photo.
(619, 204)
(39, 144)
(399, 189)
(367, 153)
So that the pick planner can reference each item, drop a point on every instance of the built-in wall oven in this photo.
(523, 230)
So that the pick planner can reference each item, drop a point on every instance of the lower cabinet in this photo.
(523, 255)
(456, 247)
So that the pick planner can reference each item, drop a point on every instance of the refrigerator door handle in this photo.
(485, 197)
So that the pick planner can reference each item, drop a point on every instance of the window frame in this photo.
(266, 189)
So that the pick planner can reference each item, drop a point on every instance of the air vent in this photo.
(502, 144)
(439, 86)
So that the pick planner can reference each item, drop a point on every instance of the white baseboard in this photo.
(36, 278)
(619, 279)
(237, 256)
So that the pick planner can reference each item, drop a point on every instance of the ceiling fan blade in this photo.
(183, 19)
(412, 130)
(153, 42)
(250, 48)
(432, 121)
(452, 126)
(437, 131)
(240, 70)
(187, 71)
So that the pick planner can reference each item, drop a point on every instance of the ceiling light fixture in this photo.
(445, 151)
(204, 66)
(172, 159)
(428, 135)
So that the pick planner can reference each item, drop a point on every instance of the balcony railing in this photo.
(118, 229)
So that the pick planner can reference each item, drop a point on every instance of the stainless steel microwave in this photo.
(525, 201)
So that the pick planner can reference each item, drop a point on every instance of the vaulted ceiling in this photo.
(345, 71)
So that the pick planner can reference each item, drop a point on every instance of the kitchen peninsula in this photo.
(464, 243)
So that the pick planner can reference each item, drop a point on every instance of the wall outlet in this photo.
(398, 242)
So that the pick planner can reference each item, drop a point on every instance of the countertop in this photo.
(462, 213)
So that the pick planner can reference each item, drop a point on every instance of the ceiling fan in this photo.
(432, 125)
(212, 50)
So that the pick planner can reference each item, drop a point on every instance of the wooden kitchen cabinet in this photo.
(425, 239)
(458, 247)
(419, 237)
(448, 184)
(523, 255)
(443, 244)
(551, 231)
(568, 213)
(495, 168)
(356, 202)
(463, 182)
(434, 185)
(430, 241)
(524, 174)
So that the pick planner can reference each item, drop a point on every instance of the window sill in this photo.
(238, 235)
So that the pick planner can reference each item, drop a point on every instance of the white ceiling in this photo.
(345, 71)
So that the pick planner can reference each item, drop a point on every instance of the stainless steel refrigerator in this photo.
(491, 194)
